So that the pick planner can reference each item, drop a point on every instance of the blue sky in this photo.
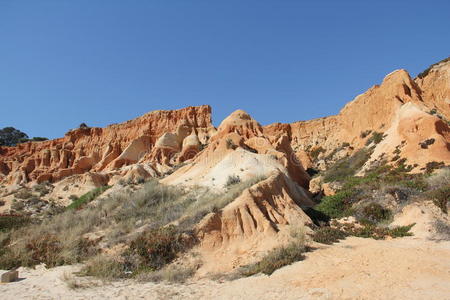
(102, 62)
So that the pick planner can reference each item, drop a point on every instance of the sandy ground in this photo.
(408, 268)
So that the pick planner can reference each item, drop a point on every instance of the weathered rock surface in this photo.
(10, 276)
(256, 221)
(97, 149)
(377, 110)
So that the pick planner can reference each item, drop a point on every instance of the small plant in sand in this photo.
(232, 180)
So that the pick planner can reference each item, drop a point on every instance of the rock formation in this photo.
(105, 149)
(256, 221)
(375, 111)
(410, 117)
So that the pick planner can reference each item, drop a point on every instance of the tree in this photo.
(39, 139)
(9, 136)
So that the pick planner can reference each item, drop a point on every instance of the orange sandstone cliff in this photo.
(406, 111)
(100, 149)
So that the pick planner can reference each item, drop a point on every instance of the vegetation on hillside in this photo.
(139, 220)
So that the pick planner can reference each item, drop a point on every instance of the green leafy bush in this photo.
(337, 205)
(374, 231)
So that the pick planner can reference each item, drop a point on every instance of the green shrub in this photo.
(157, 247)
(441, 197)
(88, 197)
(337, 205)
(375, 213)
(375, 138)
(373, 231)
(328, 235)
(364, 134)
(400, 231)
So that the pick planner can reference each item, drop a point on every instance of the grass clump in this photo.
(88, 197)
(375, 138)
(232, 180)
(150, 251)
(442, 229)
(104, 267)
(155, 202)
(276, 259)
(347, 167)
(47, 248)
(280, 257)
(10, 221)
(206, 201)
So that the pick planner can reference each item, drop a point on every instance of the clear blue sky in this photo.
(102, 62)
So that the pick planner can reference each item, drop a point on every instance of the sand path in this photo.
(408, 268)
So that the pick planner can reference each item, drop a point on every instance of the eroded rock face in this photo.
(239, 148)
(97, 149)
(255, 222)
(376, 111)
(163, 139)
(435, 87)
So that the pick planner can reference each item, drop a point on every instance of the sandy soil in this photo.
(408, 268)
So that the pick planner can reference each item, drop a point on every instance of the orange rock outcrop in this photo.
(166, 138)
(97, 149)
